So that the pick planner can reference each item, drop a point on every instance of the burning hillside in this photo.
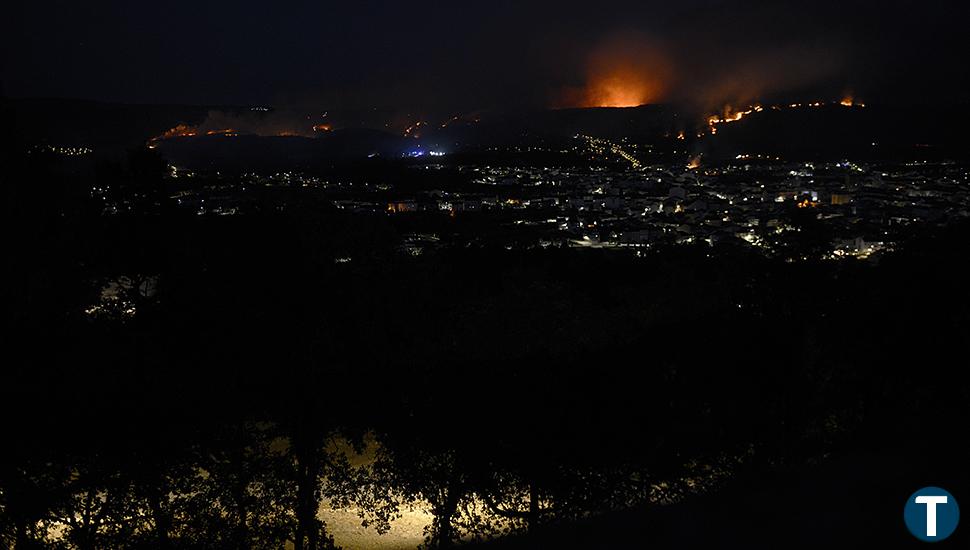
(732, 114)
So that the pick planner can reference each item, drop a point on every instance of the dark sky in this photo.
(480, 54)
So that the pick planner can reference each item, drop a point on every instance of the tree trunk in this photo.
(444, 531)
(308, 464)
(21, 542)
(162, 521)
(242, 520)
(533, 521)
(87, 528)
(446, 535)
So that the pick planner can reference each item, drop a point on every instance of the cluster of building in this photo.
(864, 208)
(860, 208)
(62, 150)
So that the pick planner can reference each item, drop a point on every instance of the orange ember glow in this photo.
(413, 130)
(182, 130)
(322, 128)
(731, 114)
(624, 71)
(623, 89)
(618, 87)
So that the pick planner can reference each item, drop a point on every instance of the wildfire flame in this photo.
(849, 101)
(616, 87)
(730, 114)
(182, 130)
(232, 123)
(625, 71)
(623, 88)
(413, 130)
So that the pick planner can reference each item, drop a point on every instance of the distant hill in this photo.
(496, 128)
(831, 132)
(280, 153)
(493, 129)
(69, 122)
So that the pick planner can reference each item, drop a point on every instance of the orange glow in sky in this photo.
(621, 87)
(626, 71)
(617, 86)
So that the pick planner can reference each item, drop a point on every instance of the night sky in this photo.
(484, 54)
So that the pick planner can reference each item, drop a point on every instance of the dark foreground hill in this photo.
(851, 501)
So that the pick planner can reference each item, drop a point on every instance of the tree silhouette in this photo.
(243, 497)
